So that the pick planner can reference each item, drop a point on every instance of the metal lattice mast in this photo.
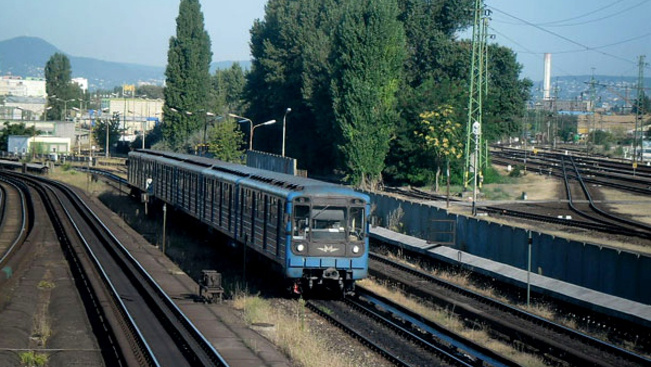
(485, 36)
(638, 108)
(476, 88)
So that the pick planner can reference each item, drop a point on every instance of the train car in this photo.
(316, 233)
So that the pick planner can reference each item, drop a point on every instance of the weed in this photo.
(32, 359)
(44, 284)
(394, 220)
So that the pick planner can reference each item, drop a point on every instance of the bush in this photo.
(517, 171)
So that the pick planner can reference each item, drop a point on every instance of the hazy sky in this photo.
(607, 35)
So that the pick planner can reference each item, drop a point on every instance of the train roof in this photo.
(280, 180)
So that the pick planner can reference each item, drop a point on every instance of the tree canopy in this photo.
(368, 53)
(357, 86)
(62, 94)
(187, 77)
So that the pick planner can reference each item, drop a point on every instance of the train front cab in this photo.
(327, 242)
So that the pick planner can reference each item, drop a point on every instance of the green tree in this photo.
(14, 129)
(291, 67)
(225, 141)
(507, 95)
(187, 76)
(441, 136)
(228, 88)
(100, 129)
(430, 27)
(58, 86)
(407, 161)
(368, 53)
(151, 91)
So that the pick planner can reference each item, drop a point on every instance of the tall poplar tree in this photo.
(187, 77)
(368, 54)
(57, 84)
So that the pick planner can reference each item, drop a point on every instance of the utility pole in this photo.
(591, 116)
(638, 115)
(556, 118)
(478, 88)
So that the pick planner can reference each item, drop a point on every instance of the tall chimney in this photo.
(547, 77)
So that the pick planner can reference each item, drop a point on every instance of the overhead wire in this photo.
(582, 15)
(587, 48)
(602, 18)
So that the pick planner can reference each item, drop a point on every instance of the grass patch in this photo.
(33, 359)
(292, 334)
(44, 284)
(497, 193)
(450, 321)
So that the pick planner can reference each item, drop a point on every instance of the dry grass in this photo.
(537, 187)
(536, 308)
(628, 203)
(291, 333)
(451, 322)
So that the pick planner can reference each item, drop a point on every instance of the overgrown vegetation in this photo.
(33, 359)
(288, 328)
(308, 64)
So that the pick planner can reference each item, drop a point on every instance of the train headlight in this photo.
(355, 249)
(300, 247)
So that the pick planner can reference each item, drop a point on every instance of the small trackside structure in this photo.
(211, 285)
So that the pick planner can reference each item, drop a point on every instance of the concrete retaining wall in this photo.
(609, 270)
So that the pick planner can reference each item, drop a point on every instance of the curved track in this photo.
(144, 326)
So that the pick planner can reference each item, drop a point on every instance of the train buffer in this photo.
(210, 285)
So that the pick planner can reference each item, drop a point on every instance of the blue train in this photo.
(315, 232)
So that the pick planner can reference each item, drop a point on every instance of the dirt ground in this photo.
(41, 312)
(536, 186)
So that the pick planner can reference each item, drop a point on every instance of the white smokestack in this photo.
(547, 77)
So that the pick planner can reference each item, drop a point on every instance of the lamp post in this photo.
(288, 110)
(106, 124)
(251, 126)
(65, 106)
(34, 131)
(207, 114)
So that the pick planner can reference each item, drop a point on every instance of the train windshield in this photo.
(330, 223)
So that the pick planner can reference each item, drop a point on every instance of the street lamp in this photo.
(34, 132)
(205, 126)
(251, 126)
(65, 106)
(106, 123)
(288, 110)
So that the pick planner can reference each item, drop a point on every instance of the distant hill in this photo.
(26, 57)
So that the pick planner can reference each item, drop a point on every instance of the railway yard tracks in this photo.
(402, 336)
(579, 174)
(554, 343)
(135, 322)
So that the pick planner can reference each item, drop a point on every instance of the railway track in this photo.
(634, 228)
(555, 343)
(142, 325)
(400, 336)
(603, 172)
(14, 219)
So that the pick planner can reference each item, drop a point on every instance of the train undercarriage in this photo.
(324, 281)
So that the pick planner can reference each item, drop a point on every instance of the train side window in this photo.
(301, 221)
(260, 203)
(356, 224)
(273, 211)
